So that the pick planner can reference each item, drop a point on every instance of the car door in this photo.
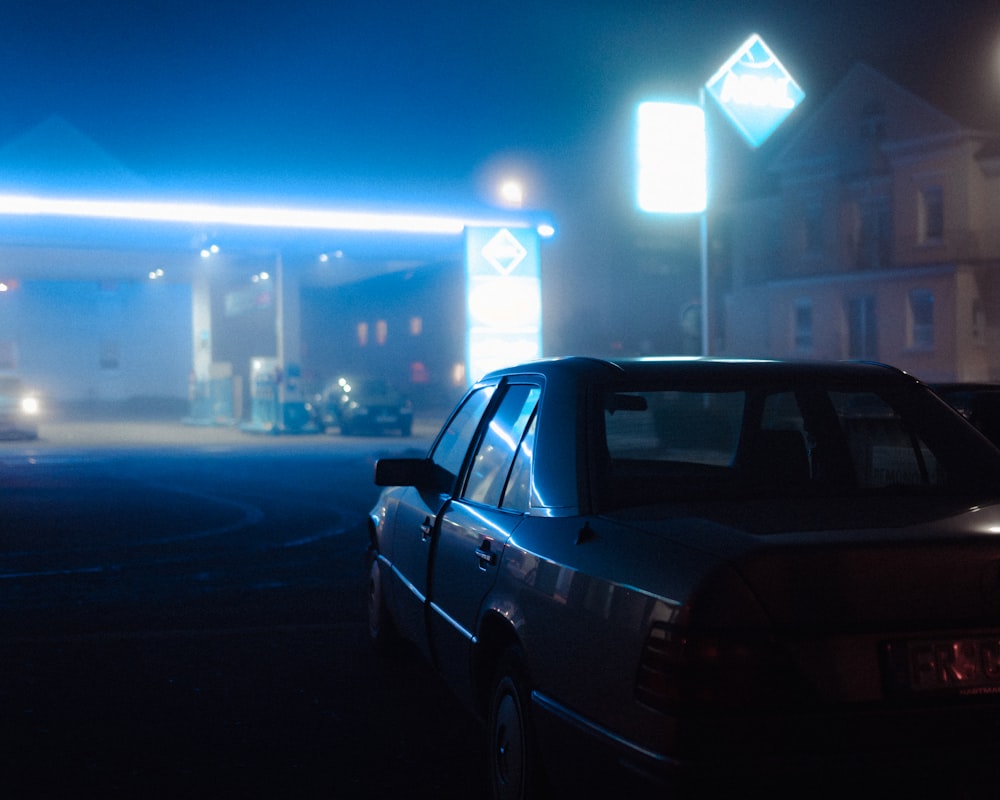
(475, 526)
(416, 519)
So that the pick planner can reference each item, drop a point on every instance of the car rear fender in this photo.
(497, 634)
(583, 612)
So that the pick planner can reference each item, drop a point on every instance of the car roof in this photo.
(585, 369)
(965, 386)
(559, 441)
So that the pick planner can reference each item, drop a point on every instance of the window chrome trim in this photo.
(403, 579)
(468, 635)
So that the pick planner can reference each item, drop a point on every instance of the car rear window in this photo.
(690, 427)
(768, 440)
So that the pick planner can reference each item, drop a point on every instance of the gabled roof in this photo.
(864, 96)
(55, 154)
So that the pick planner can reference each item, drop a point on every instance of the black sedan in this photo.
(682, 573)
(978, 402)
(364, 406)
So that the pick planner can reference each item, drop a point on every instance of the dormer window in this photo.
(931, 214)
(872, 233)
(873, 121)
(812, 222)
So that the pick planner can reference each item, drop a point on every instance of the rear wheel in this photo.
(514, 763)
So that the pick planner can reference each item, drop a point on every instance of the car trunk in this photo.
(908, 611)
(877, 567)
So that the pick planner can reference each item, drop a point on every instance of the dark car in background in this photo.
(977, 402)
(19, 409)
(692, 573)
(364, 406)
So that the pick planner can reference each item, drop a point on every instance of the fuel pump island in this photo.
(277, 402)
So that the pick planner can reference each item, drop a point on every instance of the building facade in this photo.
(881, 241)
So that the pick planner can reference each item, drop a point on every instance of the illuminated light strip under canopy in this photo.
(247, 216)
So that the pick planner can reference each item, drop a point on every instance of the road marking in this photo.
(49, 573)
(316, 537)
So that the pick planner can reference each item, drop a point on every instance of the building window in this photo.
(931, 214)
(381, 331)
(416, 326)
(872, 122)
(8, 354)
(862, 327)
(362, 333)
(813, 228)
(419, 373)
(109, 354)
(803, 325)
(872, 234)
(921, 318)
(978, 322)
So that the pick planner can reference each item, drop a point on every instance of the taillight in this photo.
(679, 670)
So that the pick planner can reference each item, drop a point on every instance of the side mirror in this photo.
(403, 472)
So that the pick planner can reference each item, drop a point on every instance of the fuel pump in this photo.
(295, 415)
(264, 402)
(277, 403)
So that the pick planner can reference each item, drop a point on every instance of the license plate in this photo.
(385, 419)
(963, 666)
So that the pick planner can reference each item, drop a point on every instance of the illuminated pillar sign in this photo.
(672, 158)
(504, 298)
(755, 91)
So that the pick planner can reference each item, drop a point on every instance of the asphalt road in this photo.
(181, 615)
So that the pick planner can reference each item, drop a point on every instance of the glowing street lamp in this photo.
(512, 193)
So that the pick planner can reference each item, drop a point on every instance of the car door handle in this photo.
(426, 528)
(485, 555)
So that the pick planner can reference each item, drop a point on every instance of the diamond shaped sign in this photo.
(504, 252)
(755, 91)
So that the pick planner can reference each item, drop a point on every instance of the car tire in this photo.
(515, 767)
(381, 629)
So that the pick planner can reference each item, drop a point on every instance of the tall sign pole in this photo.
(706, 347)
(756, 93)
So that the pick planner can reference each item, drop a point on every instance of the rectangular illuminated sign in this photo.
(503, 298)
(672, 158)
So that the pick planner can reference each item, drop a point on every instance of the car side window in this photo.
(449, 454)
(516, 496)
(495, 455)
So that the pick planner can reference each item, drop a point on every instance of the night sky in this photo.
(314, 98)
